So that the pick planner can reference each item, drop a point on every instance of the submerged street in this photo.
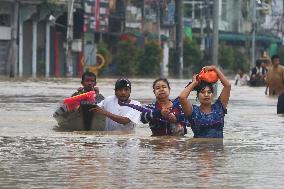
(34, 154)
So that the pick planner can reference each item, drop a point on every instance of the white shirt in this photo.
(110, 104)
(242, 80)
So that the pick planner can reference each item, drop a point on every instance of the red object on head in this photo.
(72, 103)
(208, 76)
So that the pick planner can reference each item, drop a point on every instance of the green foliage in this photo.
(226, 56)
(102, 49)
(240, 61)
(232, 58)
(125, 59)
(152, 56)
(280, 52)
(192, 56)
(52, 5)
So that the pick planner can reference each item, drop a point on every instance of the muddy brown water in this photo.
(34, 155)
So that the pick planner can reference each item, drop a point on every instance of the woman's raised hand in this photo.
(208, 68)
(195, 80)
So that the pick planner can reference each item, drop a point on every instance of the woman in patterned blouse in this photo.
(165, 116)
(206, 120)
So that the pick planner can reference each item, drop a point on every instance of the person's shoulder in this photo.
(281, 66)
(195, 110)
(246, 75)
(135, 102)
(110, 98)
(79, 91)
(269, 68)
(151, 105)
(176, 102)
(218, 105)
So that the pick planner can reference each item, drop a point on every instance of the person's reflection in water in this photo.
(203, 157)
(210, 156)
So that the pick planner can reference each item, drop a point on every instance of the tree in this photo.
(226, 56)
(152, 56)
(125, 60)
(240, 61)
(192, 56)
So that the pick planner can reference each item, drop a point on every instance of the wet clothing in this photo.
(257, 76)
(86, 106)
(111, 105)
(159, 125)
(81, 90)
(208, 125)
(258, 71)
(241, 80)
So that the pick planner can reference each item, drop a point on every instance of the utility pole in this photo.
(253, 33)
(179, 37)
(163, 64)
(207, 55)
(162, 74)
(158, 21)
(69, 39)
(13, 54)
(215, 32)
(202, 44)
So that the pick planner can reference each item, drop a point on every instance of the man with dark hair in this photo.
(275, 77)
(119, 118)
(89, 81)
(258, 74)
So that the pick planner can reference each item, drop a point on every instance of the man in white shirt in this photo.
(119, 118)
(241, 78)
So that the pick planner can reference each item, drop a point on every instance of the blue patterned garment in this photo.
(160, 126)
(208, 125)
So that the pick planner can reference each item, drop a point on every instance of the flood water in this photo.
(34, 155)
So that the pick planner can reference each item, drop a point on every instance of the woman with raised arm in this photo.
(206, 120)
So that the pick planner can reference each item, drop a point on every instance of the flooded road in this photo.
(34, 155)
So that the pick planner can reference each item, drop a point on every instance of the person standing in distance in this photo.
(275, 77)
